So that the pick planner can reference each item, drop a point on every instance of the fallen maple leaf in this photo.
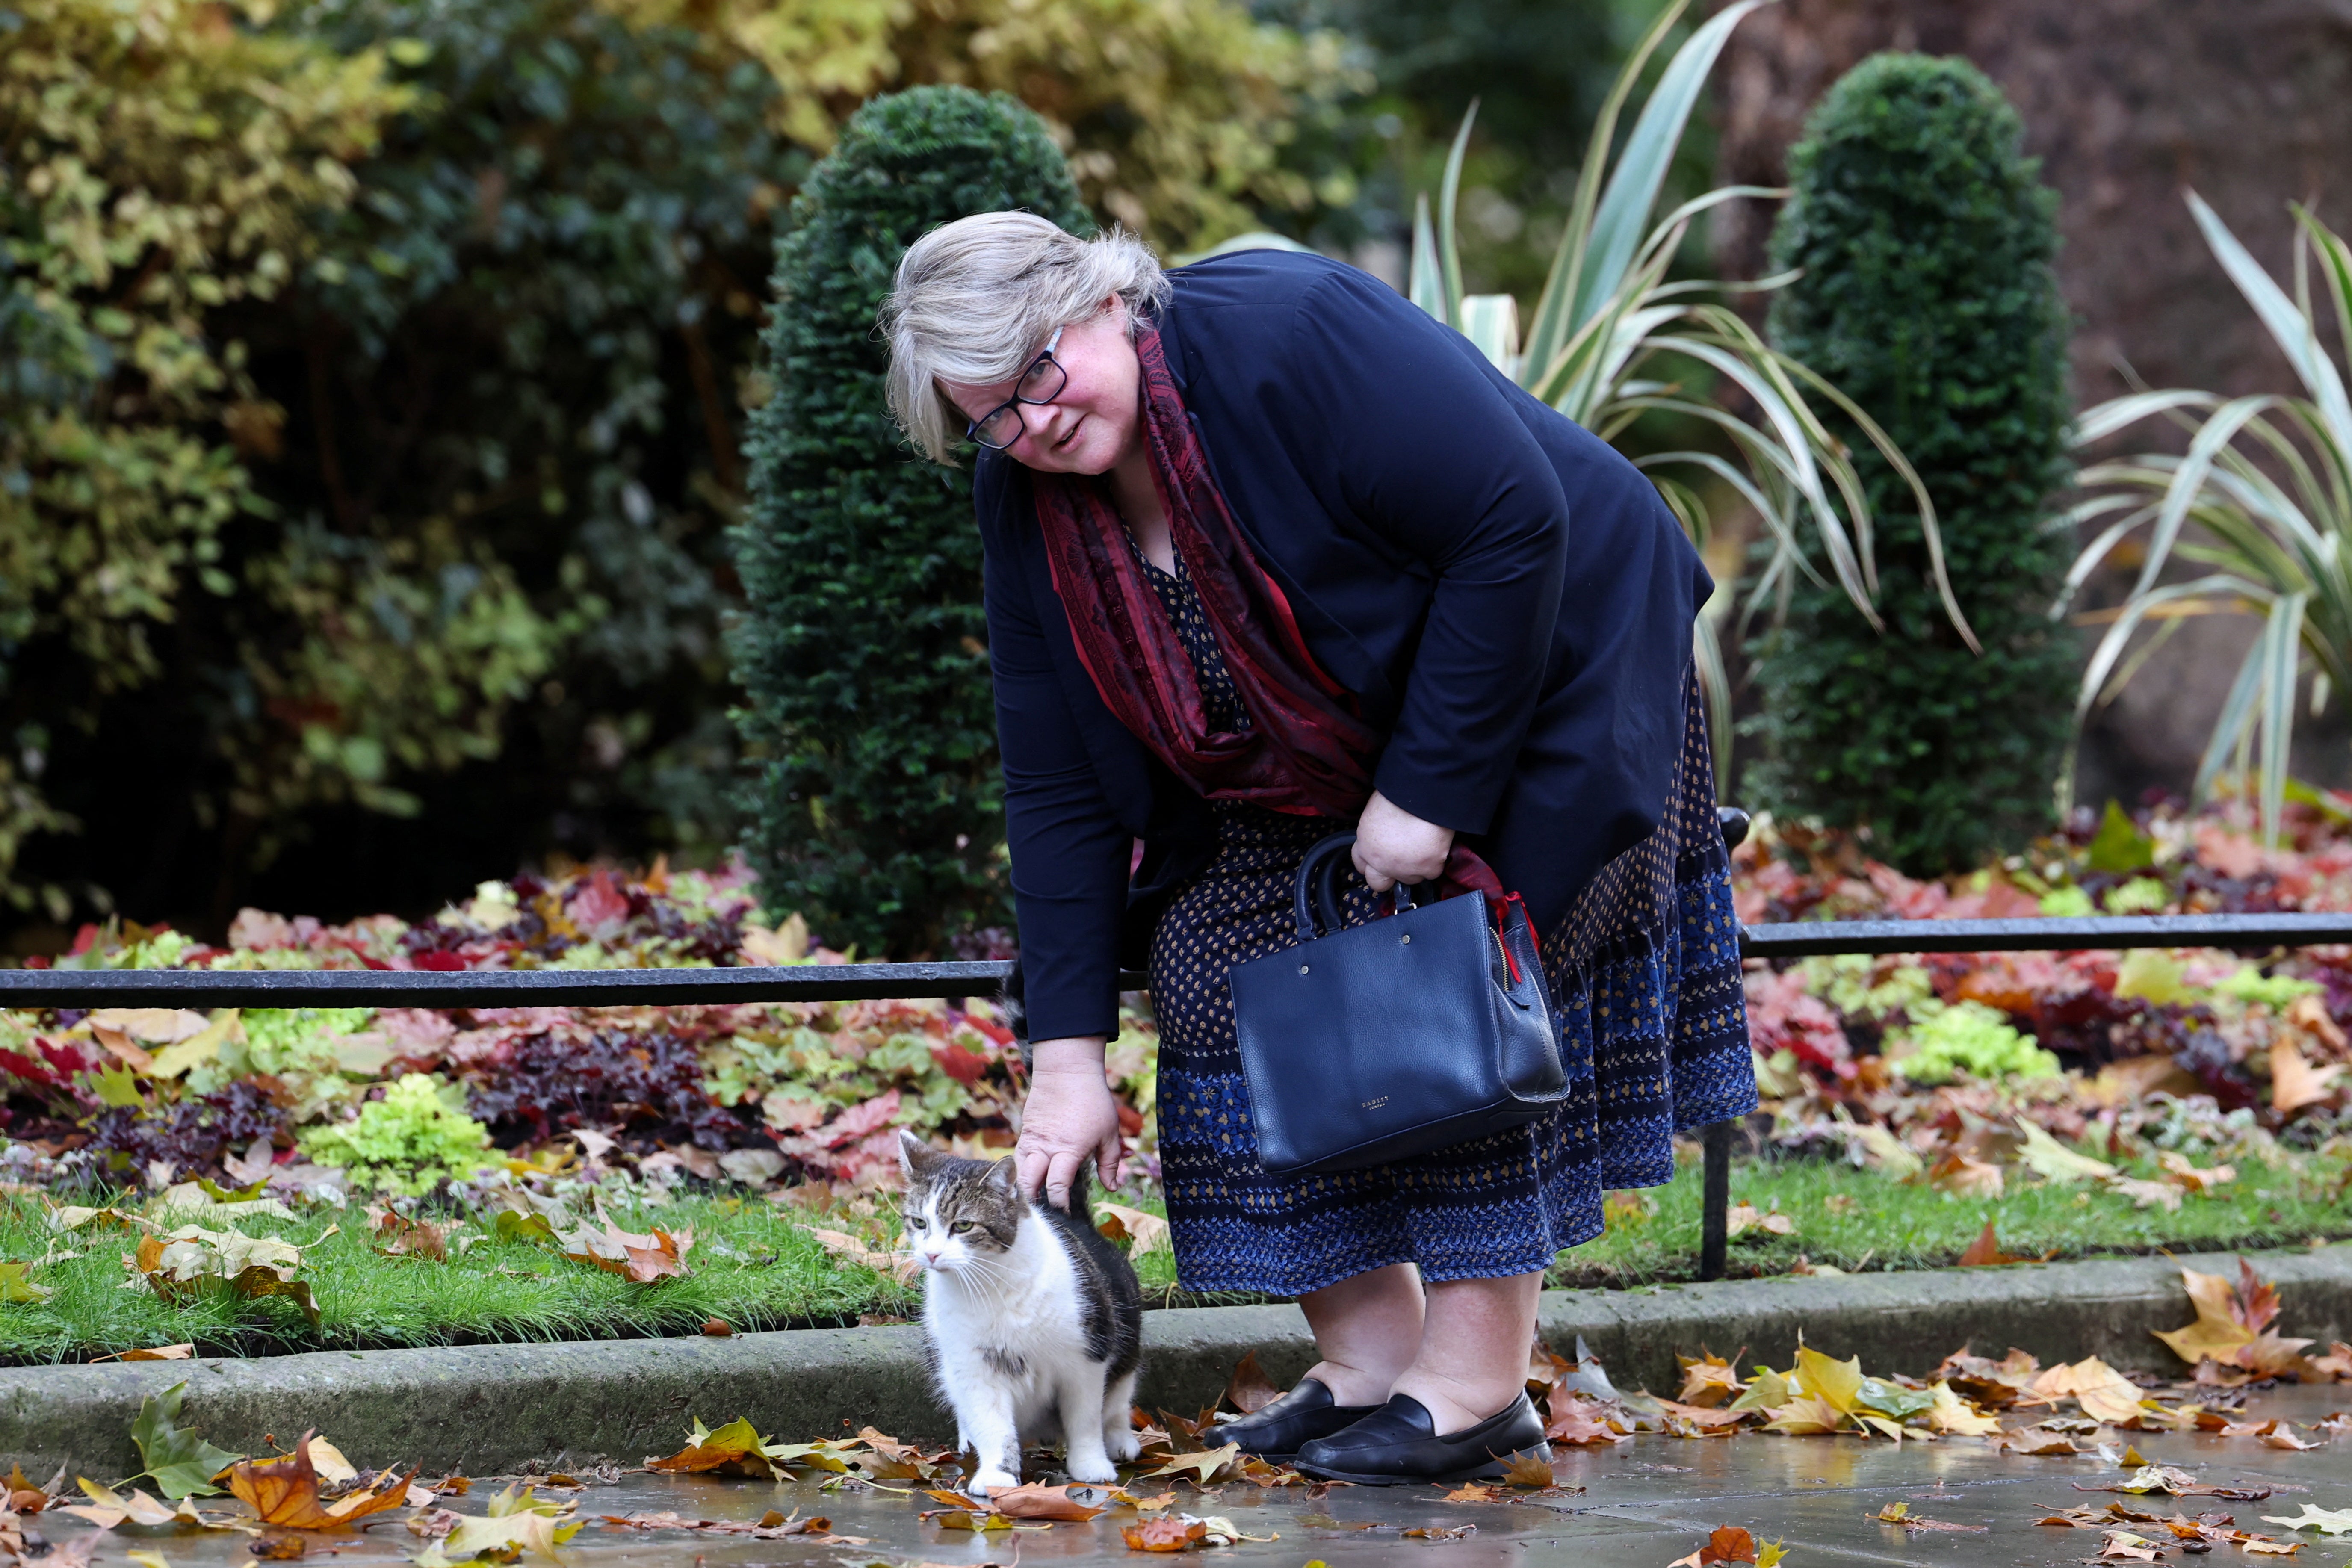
(2183, 1172)
(1963, 1176)
(1147, 1233)
(178, 1461)
(1163, 1534)
(1075, 1504)
(284, 1491)
(1985, 1252)
(1529, 1472)
(2326, 1521)
(1743, 1216)
(1709, 1379)
(736, 1446)
(2056, 1162)
(2295, 1083)
(1204, 1466)
(1439, 1531)
(1579, 1421)
(1726, 1543)
(658, 1254)
(1900, 1513)
(182, 1264)
(899, 1265)
(1249, 1390)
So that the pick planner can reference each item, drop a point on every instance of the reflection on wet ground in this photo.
(1641, 1504)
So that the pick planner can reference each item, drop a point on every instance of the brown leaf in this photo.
(641, 1258)
(1985, 1252)
(1900, 1513)
(1249, 1390)
(2295, 1083)
(1743, 1216)
(1709, 1379)
(1162, 1534)
(1034, 1501)
(1530, 1471)
(284, 1491)
(1439, 1531)
(1729, 1544)
(1957, 1173)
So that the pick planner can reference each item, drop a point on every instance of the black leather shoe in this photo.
(1301, 1416)
(1399, 1443)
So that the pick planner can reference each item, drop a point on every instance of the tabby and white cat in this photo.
(1035, 1322)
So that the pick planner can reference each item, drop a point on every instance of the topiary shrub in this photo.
(875, 808)
(1926, 239)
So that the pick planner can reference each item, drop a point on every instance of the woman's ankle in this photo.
(1352, 1384)
(1453, 1404)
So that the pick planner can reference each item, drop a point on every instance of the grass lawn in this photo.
(755, 1266)
(1856, 1220)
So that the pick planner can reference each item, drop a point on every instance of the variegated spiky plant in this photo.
(1612, 339)
(2266, 481)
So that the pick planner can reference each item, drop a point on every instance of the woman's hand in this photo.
(1394, 846)
(1068, 1119)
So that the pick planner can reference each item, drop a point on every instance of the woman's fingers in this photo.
(1029, 1164)
(1108, 1159)
(1371, 872)
(1060, 1171)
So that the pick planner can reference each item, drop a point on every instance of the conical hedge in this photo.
(1926, 239)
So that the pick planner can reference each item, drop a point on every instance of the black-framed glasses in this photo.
(1041, 383)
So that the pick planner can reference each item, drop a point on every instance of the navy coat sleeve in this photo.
(1070, 854)
(1427, 452)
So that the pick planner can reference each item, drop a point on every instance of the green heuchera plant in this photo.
(1972, 1039)
(417, 1136)
(876, 807)
(1924, 238)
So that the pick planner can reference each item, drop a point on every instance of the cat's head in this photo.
(959, 1215)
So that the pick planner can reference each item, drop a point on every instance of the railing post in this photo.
(1715, 1178)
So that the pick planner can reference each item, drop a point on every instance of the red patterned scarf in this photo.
(1306, 751)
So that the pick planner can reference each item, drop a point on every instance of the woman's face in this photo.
(1093, 421)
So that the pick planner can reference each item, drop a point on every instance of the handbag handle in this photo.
(1320, 871)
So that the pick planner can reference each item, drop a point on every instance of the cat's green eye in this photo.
(914, 1222)
(961, 1226)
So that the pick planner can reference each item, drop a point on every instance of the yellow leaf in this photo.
(2054, 1160)
(199, 1047)
(1951, 1413)
(1806, 1418)
(1836, 1381)
(2215, 1334)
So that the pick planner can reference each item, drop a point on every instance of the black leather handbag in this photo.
(1425, 1028)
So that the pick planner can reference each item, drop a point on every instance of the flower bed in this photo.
(2082, 1102)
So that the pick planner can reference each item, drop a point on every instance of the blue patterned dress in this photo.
(1645, 971)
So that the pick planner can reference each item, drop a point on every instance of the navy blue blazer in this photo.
(1507, 597)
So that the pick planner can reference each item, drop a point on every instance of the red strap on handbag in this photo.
(1467, 873)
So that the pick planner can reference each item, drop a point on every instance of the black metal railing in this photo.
(867, 982)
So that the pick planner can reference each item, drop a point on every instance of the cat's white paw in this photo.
(1092, 1470)
(986, 1480)
(1122, 1443)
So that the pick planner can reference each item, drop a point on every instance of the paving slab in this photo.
(1640, 1504)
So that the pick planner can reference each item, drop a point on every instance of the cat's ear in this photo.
(915, 1155)
(1004, 1175)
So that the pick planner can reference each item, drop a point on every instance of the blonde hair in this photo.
(975, 299)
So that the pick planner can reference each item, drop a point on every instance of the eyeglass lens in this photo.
(1042, 383)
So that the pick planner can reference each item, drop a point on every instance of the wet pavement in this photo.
(1641, 1504)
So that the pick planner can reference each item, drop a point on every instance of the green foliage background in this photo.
(372, 381)
(878, 805)
(1927, 240)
